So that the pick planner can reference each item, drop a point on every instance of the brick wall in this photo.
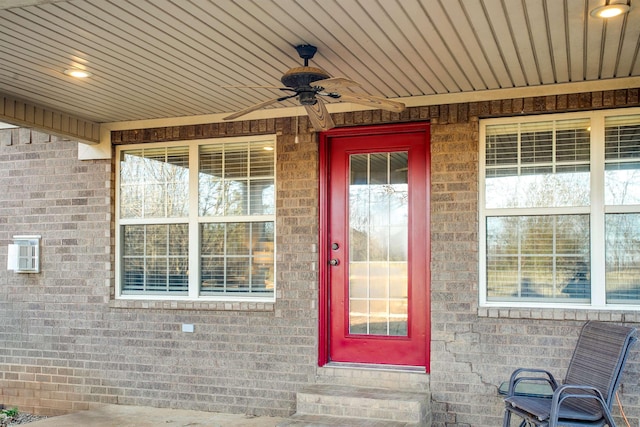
(474, 350)
(49, 356)
(65, 345)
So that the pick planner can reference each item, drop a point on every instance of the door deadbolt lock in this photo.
(335, 246)
(334, 262)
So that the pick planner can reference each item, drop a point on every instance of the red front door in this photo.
(375, 247)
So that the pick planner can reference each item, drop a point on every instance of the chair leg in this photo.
(506, 422)
(507, 418)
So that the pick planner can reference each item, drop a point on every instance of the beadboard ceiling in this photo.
(155, 59)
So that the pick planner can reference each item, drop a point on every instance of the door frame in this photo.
(324, 147)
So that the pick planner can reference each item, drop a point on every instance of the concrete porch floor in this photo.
(139, 416)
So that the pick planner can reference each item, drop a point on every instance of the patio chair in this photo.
(586, 396)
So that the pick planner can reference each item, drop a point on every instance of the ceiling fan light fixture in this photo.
(610, 11)
(77, 73)
(307, 98)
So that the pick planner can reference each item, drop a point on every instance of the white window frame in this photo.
(597, 210)
(193, 220)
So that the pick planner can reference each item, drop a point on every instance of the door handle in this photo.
(334, 262)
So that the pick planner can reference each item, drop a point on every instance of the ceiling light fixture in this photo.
(77, 73)
(610, 11)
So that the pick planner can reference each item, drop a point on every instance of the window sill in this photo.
(192, 305)
(561, 313)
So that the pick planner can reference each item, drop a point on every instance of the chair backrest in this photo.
(599, 357)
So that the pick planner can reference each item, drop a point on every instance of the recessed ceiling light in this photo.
(609, 11)
(77, 73)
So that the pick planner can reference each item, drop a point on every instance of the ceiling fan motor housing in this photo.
(300, 79)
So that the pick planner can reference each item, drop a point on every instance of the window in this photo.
(196, 220)
(560, 210)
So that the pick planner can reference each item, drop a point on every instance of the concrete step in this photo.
(364, 403)
(302, 420)
(377, 376)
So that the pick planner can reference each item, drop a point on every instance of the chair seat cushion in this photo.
(540, 408)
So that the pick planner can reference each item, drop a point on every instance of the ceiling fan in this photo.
(309, 84)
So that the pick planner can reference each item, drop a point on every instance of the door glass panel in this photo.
(378, 241)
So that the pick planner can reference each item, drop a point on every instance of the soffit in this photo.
(154, 59)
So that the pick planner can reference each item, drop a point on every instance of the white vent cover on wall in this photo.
(24, 254)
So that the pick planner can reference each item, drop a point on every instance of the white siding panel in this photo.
(518, 19)
(630, 50)
(540, 40)
(436, 41)
(593, 49)
(508, 49)
(558, 39)
(577, 22)
(611, 47)
(452, 22)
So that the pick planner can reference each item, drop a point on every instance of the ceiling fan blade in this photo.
(335, 83)
(256, 107)
(319, 116)
(372, 101)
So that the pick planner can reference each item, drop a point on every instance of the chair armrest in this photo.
(575, 391)
(541, 375)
